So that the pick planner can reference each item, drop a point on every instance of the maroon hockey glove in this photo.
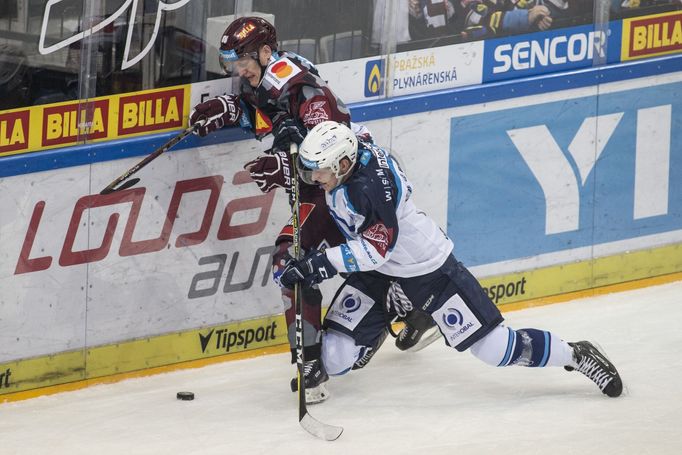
(271, 171)
(215, 113)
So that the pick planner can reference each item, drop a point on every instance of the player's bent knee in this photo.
(339, 352)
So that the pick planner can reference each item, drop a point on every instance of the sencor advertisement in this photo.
(651, 36)
(544, 178)
(551, 51)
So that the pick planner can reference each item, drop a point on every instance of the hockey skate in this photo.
(420, 331)
(315, 376)
(597, 367)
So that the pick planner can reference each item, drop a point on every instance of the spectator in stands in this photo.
(489, 18)
(431, 18)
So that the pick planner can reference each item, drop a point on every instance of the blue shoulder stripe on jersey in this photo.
(349, 259)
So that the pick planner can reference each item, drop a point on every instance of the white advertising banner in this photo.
(187, 247)
(406, 73)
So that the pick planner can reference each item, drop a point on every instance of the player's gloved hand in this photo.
(286, 132)
(271, 171)
(312, 269)
(280, 259)
(215, 113)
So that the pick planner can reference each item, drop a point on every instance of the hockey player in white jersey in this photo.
(392, 247)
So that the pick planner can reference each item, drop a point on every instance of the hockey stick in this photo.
(117, 184)
(308, 422)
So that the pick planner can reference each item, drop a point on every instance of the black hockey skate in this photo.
(420, 331)
(597, 367)
(315, 376)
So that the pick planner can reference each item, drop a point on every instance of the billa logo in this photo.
(244, 32)
(652, 35)
(150, 111)
(14, 131)
(64, 124)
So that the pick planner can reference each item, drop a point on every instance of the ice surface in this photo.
(436, 401)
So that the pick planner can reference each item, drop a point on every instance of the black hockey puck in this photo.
(185, 396)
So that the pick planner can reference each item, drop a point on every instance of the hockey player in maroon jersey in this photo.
(281, 93)
(391, 244)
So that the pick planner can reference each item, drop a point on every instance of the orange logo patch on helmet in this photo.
(244, 32)
(281, 69)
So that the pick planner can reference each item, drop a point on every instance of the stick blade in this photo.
(124, 186)
(319, 429)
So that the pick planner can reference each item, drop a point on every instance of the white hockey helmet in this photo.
(324, 147)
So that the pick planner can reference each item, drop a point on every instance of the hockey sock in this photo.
(504, 346)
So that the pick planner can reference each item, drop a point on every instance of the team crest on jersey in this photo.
(315, 112)
(263, 123)
(380, 237)
(280, 72)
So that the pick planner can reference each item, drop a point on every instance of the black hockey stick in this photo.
(120, 184)
(308, 422)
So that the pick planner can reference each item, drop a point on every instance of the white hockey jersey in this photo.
(384, 230)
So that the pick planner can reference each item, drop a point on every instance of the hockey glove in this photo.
(215, 113)
(286, 132)
(271, 171)
(312, 269)
(280, 259)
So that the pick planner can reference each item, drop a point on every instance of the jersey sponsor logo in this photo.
(150, 111)
(281, 72)
(14, 131)
(456, 321)
(350, 308)
(315, 112)
(652, 35)
(263, 123)
(66, 123)
(349, 259)
(380, 237)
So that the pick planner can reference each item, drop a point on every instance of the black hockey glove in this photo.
(215, 113)
(286, 132)
(312, 269)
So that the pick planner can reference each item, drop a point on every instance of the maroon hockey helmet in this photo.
(245, 36)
